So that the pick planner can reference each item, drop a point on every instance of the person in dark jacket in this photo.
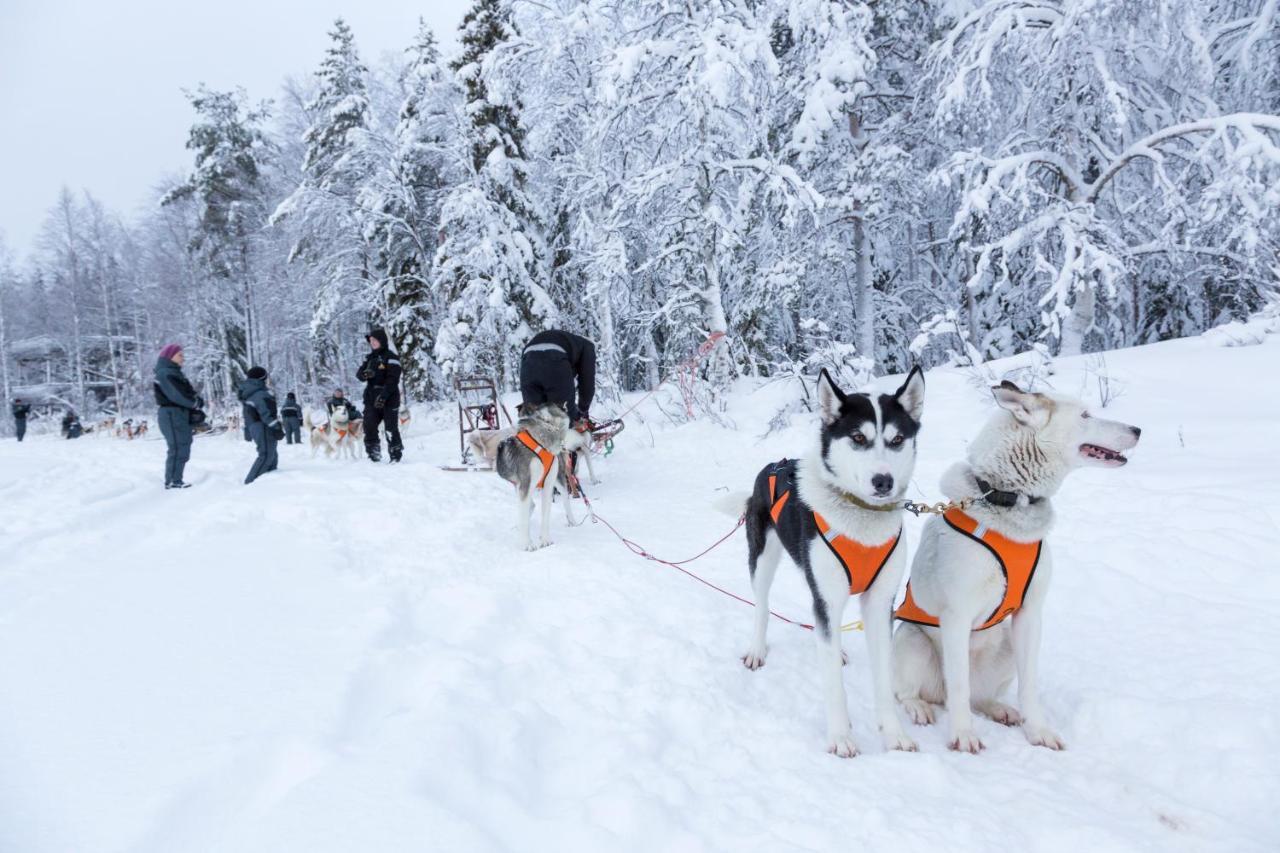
(291, 414)
(20, 412)
(381, 375)
(261, 422)
(71, 427)
(177, 401)
(338, 401)
(560, 367)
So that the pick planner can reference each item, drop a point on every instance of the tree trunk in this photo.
(864, 294)
(1078, 323)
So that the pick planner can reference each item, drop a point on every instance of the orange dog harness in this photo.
(862, 563)
(545, 455)
(1017, 560)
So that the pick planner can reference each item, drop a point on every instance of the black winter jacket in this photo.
(172, 388)
(381, 375)
(20, 411)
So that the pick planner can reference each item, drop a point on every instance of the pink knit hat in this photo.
(170, 350)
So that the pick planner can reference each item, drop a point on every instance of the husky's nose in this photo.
(882, 483)
(1137, 431)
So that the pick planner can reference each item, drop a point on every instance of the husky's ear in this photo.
(830, 398)
(911, 394)
(1028, 409)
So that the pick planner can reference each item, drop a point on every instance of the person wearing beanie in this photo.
(381, 375)
(20, 412)
(261, 421)
(177, 401)
(291, 414)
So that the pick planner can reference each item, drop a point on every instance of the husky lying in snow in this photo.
(838, 514)
(540, 467)
(974, 568)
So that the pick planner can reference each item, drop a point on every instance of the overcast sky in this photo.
(91, 90)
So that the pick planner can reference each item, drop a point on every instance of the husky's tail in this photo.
(732, 503)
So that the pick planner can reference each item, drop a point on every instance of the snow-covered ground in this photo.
(345, 657)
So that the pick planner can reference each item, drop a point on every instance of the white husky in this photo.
(974, 568)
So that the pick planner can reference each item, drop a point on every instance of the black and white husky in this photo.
(520, 465)
(837, 513)
(958, 648)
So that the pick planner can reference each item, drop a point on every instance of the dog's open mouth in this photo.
(1103, 455)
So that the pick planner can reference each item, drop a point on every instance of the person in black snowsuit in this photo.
(556, 364)
(381, 375)
(261, 421)
(178, 401)
(337, 401)
(20, 412)
(291, 414)
(71, 427)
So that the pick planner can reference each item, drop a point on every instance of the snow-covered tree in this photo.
(489, 263)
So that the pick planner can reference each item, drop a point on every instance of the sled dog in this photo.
(837, 514)
(484, 445)
(530, 458)
(338, 435)
(976, 566)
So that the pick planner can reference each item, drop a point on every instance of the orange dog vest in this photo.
(1017, 560)
(862, 563)
(546, 456)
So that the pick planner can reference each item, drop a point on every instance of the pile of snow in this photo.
(348, 657)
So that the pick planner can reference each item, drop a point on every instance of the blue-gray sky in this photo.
(91, 91)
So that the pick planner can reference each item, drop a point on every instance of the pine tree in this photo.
(403, 201)
(323, 212)
(489, 264)
(228, 189)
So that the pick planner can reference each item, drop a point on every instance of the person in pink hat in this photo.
(180, 406)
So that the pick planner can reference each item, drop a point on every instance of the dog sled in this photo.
(478, 409)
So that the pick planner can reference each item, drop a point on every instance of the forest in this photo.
(856, 185)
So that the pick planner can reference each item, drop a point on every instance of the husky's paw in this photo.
(1044, 736)
(922, 713)
(897, 740)
(529, 546)
(753, 659)
(965, 741)
(1003, 714)
(595, 481)
(544, 543)
(842, 745)
(844, 658)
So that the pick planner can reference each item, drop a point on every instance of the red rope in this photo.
(703, 349)
(639, 550)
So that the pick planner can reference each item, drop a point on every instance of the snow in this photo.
(348, 657)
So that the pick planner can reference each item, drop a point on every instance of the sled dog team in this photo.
(838, 512)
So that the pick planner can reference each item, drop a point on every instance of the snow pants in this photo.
(292, 430)
(267, 457)
(547, 377)
(388, 417)
(20, 426)
(175, 426)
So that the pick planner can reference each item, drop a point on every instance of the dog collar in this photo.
(999, 497)
(849, 497)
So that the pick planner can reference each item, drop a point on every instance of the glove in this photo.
(363, 374)
(379, 401)
(199, 402)
(277, 432)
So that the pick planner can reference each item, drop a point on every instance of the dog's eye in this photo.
(859, 438)
(897, 441)
(1085, 415)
